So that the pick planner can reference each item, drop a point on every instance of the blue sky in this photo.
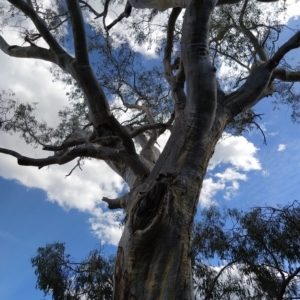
(28, 220)
(42, 206)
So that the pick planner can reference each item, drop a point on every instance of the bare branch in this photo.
(258, 48)
(63, 60)
(125, 14)
(262, 132)
(77, 137)
(121, 202)
(169, 44)
(249, 94)
(146, 127)
(285, 75)
(143, 108)
(77, 165)
(39, 23)
(93, 10)
(85, 76)
(109, 154)
(232, 58)
(39, 162)
(113, 203)
(26, 52)
(260, 81)
(81, 53)
(292, 43)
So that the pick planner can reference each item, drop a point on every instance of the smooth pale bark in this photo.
(153, 259)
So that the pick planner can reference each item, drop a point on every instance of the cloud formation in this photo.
(238, 156)
(281, 147)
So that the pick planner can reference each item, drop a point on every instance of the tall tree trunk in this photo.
(153, 260)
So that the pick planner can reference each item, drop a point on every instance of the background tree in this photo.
(58, 274)
(193, 103)
(235, 255)
(257, 252)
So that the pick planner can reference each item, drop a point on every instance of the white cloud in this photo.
(107, 226)
(240, 155)
(209, 190)
(236, 150)
(226, 182)
(230, 175)
(281, 147)
(162, 140)
(83, 190)
(265, 173)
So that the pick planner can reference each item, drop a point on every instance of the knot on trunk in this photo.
(148, 205)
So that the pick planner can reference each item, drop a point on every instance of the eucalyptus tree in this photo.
(61, 277)
(185, 94)
(235, 255)
(257, 252)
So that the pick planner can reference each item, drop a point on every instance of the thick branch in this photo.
(285, 75)
(146, 127)
(26, 52)
(169, 43)
(260, 51)
(63, 61)
(38, 162)
(292, 43)
(176, 83)
(113, 155)
(249, 94)
(199, 71)
(77, 137)
(125, 14)
(260, 79)
(81, 53)
(108, 154)
(97, 102)
(113, 203)
(39, 23)
(121, 202)
(286, 282)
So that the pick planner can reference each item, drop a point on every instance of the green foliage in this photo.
(235, 255)
(257, 253)
(58, 275)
